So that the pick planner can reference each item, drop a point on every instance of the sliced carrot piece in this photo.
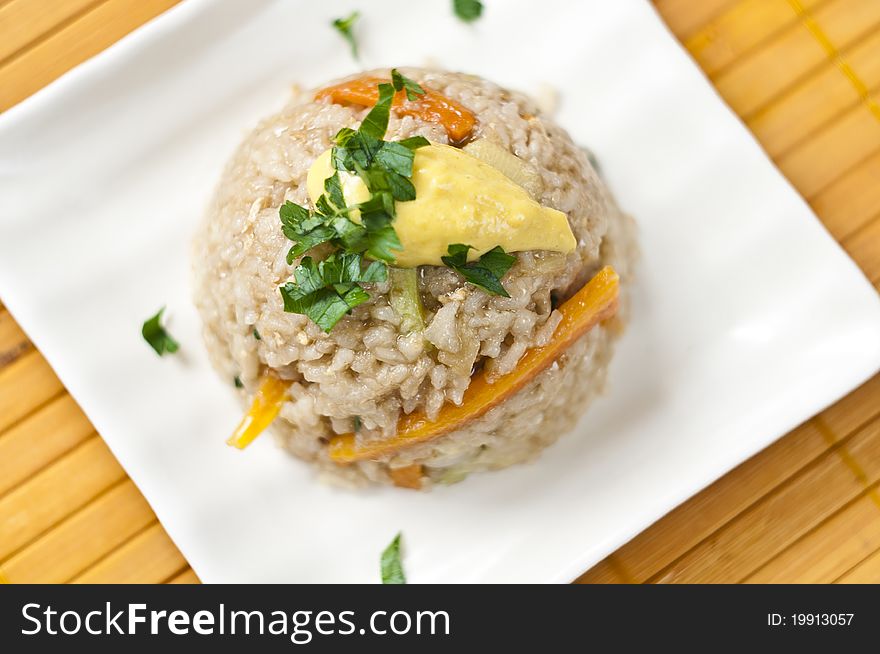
(595, 302)
(433, 107)
(264, 409)
(407, 477)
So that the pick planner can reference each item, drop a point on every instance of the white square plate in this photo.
(748, 318)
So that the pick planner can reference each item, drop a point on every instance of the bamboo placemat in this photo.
(802, 74)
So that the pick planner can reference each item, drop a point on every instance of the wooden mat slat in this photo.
(13, 342)
(148, 558)
(604, 572)
(830, 551)
(852, 201)
(39, 440)
(684, 17)
(818, 100)
(83, 539)
(865, 572)
(774, 67)
(25, 385)
(832, 151)
(864, 247)
(83, 38)
(185, 577)
(852, 412)
(55, 492)
(801, 510)
(739, 30)
(23, 21)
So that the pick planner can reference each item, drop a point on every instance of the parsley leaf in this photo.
(414, 142)
(327, 290)
(396, 157)
(400, 187)
(345, 27)
(467, 10)
(257, 335)
(381, 238)
(497, 261)
(292, 218)
(330, 222)
(159, 339)
(486, 272)
(333, 192)
(387, 185)
(400, 82)
(391, 567)
(309, 240)
(375, 123)
(343, 267)
(237, 381)
(356, 148)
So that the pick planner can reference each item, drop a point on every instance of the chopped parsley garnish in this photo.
(257, 335)
(159, 339)
(467, 10)
(345, 27)
(327, 290)
(392, 570)
(237, 381)
(400, 82)
(486, 272)
(375, 123)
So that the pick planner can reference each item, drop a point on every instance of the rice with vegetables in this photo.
(412, 337)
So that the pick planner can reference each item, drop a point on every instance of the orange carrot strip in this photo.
(595, 302)
(264, 409)
(457, 120)
(407, 477)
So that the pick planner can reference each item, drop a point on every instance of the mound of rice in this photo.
(365, 372)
